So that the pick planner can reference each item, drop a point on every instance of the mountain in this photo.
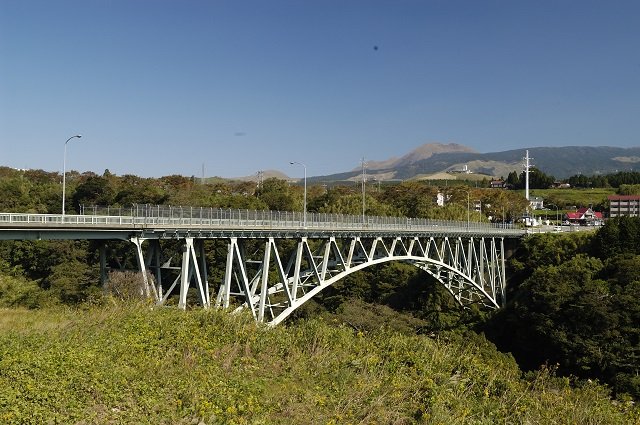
(560, 162)
(420, 153)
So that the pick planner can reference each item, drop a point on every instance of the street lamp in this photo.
(64, 169)
(304, 216)
(468, 211)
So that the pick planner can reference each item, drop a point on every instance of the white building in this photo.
(536, 202)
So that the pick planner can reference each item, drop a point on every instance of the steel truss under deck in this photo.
(256, 278)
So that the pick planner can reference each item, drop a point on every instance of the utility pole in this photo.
(260, 175)
(527, 166)
(364, 178)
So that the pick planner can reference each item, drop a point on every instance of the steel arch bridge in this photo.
(275, 262)
(471, 269)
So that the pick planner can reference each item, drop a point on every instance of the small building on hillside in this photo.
(585, 217)
(624, 205)
(497, 184)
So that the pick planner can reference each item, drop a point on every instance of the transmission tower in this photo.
(527, 167)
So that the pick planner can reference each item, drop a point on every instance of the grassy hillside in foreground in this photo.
(135, 365)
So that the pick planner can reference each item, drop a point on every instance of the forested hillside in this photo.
(573, 301)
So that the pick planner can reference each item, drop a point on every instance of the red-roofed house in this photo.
(628, 205)
(585, 217)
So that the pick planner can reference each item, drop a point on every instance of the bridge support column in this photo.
(503, 280)
(296, 270)
(265, 279)
(237, 270)
(153, 263)
(103, 263)
(192, 268)
(142, 266)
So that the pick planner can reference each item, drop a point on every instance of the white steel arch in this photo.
(471, 268)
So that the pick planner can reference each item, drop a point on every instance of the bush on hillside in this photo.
(20, 292)
(128, 286)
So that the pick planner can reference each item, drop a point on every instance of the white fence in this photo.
(203, 218)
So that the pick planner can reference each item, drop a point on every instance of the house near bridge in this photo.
(585, 217)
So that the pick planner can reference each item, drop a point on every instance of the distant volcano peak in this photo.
(421, 152)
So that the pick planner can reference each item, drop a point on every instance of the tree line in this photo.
(38, 191)
(540, 180)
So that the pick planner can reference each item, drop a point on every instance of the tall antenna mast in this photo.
(527, 166)
(364, 178)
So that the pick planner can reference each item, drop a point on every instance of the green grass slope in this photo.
(135, 365)
(573, 197)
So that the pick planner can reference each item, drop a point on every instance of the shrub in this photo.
(20, 292)
(127, 285)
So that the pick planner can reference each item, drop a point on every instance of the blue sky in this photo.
(159, 87)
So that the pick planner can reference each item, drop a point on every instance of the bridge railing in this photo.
(203, 216)
(179, 216)
(67, 219)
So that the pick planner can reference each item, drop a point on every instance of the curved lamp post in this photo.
(468, 191)
(364, 188)
(64, 169)
(304, 214)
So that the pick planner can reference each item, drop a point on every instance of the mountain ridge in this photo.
(560, 162)
(420, 153)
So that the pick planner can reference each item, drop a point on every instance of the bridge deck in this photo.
(233, 223)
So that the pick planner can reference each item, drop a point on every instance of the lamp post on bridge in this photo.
(475, 208)
(64, 170)
(468, 212)
(304, 214)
